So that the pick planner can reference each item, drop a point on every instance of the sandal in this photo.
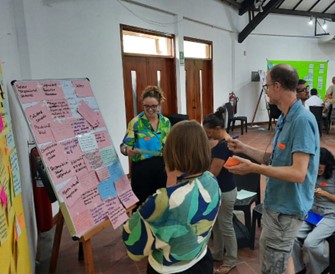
(223, 269)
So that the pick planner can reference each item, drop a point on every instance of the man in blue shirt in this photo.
(291, 170)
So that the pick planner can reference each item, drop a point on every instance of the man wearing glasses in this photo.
(291, 170)
(302, 91)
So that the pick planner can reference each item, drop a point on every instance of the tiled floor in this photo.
(110, 254)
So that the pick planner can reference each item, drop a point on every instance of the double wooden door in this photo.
(199, 88)
(141, 71)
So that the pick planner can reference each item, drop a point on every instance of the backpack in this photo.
(242, 233)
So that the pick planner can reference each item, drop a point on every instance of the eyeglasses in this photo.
(266, 87)
(153, 107)
(306, 89)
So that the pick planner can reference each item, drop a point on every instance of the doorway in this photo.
(199, 78)
(150, 62)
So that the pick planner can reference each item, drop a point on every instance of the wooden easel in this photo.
(259, 99)
(85, 243)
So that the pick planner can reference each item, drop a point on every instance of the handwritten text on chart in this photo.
(28, 92)
(59, 108)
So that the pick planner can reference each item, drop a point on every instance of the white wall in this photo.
(70, 38)
(278, 37)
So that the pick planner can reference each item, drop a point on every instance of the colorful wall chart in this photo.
(77, 151)
(314, 72)
(14, 250)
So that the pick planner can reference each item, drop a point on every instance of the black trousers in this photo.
(204, 266)
(147, 176)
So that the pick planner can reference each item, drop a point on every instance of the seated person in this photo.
(302, 91)
(310, 250)
(314, 99)
(326, 105)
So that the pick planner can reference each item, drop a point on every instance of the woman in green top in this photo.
(144, 142)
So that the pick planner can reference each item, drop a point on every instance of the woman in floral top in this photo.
(173, 226)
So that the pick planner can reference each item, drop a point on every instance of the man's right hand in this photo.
(235, 145)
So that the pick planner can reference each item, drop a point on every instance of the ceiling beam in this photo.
(312, 7)
(305, 13)
(245, 6)
(258, 19)
(294, 8)
(232, 3)
(329, 6)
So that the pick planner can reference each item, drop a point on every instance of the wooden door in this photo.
(141, 71)
(199, 88)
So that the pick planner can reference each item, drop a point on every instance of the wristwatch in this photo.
(124, 150)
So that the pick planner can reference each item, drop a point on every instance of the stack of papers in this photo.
(313, 218)
(243, 194)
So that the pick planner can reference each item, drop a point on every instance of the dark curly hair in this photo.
(327, 159)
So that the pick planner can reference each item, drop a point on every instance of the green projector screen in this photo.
(314, 72)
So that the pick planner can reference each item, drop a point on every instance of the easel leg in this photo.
(56, 244)
(88, 256)
(259, 99)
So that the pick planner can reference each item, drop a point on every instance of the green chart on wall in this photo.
(314, 72)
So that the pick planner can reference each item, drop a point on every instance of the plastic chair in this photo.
(176, 117)
(250, 182)
(317, 111)
(274, 113)
(231, 119)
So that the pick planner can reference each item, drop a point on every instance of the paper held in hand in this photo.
(244, 194)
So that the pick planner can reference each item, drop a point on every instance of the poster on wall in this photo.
(77, 152)
(314, 72)
(14, 250)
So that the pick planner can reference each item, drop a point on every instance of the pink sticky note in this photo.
(3, 196)
(1, 124)
(71, 192)
(103, 139)
(80, 126)
(79, 166)
(88, 114)
(83, 222)
(62, 130)
(82, 88)
(61, 170)
(100, 120)
(53, 154)
(89, 180)
(116, 212)
(39, 118)
(59, 108)
(125, 192)
(102, 173)
(91, 197)
(29, 91)
(72, 149)
(52, 90)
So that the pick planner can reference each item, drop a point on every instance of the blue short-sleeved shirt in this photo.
(297, 132)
